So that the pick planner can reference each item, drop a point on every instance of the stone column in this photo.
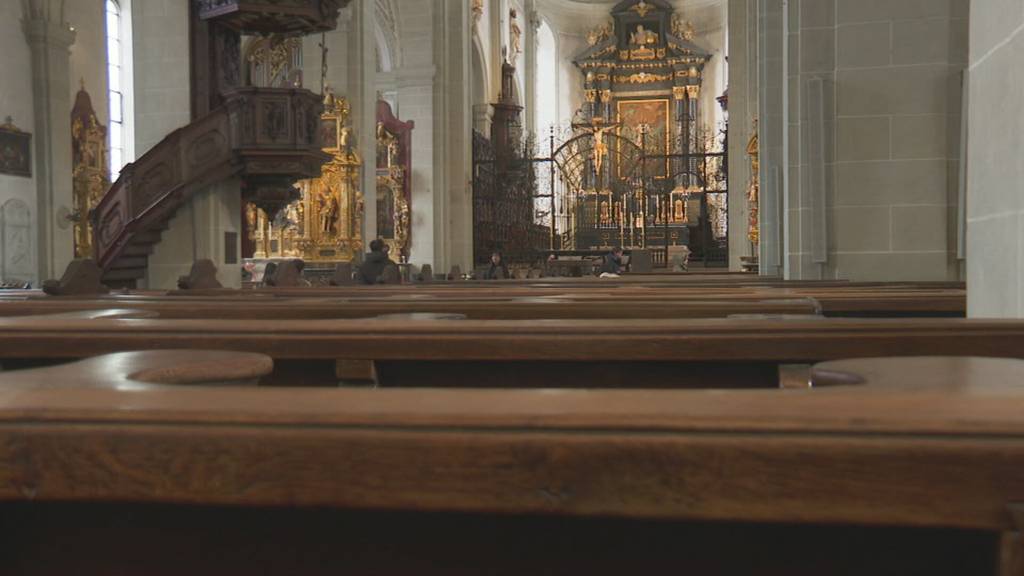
(453, 199)
(742, 112)
(482, 116)
(363, 90)
(532, 19)
(50, 38)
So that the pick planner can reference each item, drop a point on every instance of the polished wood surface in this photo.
(143, 370)
(786, 339)
(882, 445)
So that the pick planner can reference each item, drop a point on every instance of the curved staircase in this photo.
(268, 136)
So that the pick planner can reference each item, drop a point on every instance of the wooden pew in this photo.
(545, 353)
(233, 306)
(621, 302)
(911, 466)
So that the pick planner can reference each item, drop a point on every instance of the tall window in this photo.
(116, 87)
(547, 82)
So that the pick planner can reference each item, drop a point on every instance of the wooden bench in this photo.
(622, 301)
(535, 353)
(905, 466)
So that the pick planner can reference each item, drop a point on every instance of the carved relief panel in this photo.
(15, 241)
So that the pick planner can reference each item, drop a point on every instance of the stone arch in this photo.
(481, 74)
(387, 38)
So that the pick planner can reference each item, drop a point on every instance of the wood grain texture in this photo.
(787, 340)
(881, 452)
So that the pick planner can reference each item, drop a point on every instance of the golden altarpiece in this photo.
(645, 172)
(394, 199)
(325, 224)
(90, 176)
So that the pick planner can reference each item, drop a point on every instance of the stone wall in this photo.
(16, 102)
(995, 227)
(161, 70)
(886, 78)
(89, 54)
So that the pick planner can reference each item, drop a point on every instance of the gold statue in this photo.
(328, 212)
(643, 37)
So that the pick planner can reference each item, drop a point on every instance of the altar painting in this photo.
(652, 116)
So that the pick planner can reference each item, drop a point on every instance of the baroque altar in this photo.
(325, 223)
(394, 190)
(645, 172)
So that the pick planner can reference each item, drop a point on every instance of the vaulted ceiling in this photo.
(580, 15)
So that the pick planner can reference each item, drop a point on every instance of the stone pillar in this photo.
(771, 58)
(742, 113)
(362, 84)
(416, 101)
(529, 59)
(50, 38)
(482, 116)
(453, 199)
(995, 186)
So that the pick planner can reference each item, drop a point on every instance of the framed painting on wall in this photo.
(15, 150)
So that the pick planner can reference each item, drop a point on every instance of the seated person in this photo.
(497, 270)
(371, 271)
(613, 264)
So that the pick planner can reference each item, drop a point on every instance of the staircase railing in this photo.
(263, 134)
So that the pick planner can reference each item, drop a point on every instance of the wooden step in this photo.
(138, 250)
(147, 237)
(114, 275)
(129, 262)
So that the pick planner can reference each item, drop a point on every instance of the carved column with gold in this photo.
(90, 171)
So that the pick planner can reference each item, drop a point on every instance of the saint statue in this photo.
(328, 212)
(393, 150)
(515, 35)
(642, 37)
(600, 148)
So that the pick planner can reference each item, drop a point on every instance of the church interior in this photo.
(512, 287)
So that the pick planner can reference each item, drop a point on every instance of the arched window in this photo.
(547, 81)
(119, 84)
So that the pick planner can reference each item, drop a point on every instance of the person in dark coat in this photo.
(497, 270)
(372, 269)
(613, 263)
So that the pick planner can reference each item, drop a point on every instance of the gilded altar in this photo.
(325, 223)
(394, 164)
(90, 170)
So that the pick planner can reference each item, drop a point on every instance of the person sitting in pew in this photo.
(613, 266)
(371, 271)
(497, 270)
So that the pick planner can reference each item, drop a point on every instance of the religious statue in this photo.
(643, 37)
(393, 152)
(328, 212)
(515, 36)
(402, 224)
(679, 211)
(600, 148)
(683, 28)
(478, 11)
(601, 33)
